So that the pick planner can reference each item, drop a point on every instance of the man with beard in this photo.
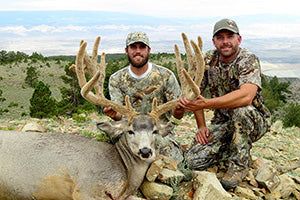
(143, 81)
(240, 116)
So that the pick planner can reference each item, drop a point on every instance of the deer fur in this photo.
(65, 166)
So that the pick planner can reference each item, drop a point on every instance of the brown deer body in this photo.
(62, 166)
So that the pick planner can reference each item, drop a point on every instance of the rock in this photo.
(185, 191)
(245, 193)
(251, 179)
(257, 192)
(259, 162)
(267, 178)
(210, 192)
(273, 195)
(207, 186)
(286, 186)
(168, 162)
(156, 191)
(296, 194)
(296, 179)
(33, 127)
(154, 170)
(134, 198)
(170, 177)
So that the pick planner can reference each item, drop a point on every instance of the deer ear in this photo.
(166, 128)
(113, 129)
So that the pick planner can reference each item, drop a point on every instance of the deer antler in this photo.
(97, 80)
(190, 81)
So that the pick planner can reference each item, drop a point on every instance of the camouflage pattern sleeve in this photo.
(114, 89)
(172, 88)
(209, 58)
(249, 71)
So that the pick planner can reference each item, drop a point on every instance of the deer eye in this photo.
(155, 132)
(131, 132)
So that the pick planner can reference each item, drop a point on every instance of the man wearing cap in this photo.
(143, 81)
(240, 117)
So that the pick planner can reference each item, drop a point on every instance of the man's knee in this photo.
(244, 112)
(200, 157)
(248, 121)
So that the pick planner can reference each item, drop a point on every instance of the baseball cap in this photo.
(137, 36)
(227, 24)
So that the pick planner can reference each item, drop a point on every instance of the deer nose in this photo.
(145, 152)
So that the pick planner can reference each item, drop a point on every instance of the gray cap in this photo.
(227, 24)
(137, 36)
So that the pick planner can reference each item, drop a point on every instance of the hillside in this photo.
(15, 90)
(17, 93)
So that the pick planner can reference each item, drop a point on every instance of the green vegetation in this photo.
(276, 96)
(31, 76)
(42, 104)
(2, 99)
(274, 92)
(72, 101)
(291, 116)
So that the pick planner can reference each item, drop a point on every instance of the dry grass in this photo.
(15, 90)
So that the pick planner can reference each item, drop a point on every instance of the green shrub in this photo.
(13, 104)
(42, 104)
(31, 76)
(23, 114)
(80, 118)
(2, 99)
(291, 115)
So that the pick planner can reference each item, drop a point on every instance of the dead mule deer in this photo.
(63, 166)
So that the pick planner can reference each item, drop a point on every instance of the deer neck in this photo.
(135, 167)
(129, 159)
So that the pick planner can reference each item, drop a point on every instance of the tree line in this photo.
(277, 95)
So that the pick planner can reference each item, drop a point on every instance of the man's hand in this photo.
(112, 114)
(202, 135)
(197, 104)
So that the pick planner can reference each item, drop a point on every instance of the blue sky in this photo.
(55, 27)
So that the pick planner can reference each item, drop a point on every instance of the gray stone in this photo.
(156, 191)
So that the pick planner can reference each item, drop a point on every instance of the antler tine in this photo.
(190, 56)
(91, 66)
(189, 85)
(157, 111)
(179, 64)
(102, 77)
(79, 64)
(200, 43)
(86, 87)
(195, 69)
(199, 62)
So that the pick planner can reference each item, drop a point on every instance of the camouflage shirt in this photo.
(159, 82)
(223, 78)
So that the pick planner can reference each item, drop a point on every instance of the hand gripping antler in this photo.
(97, 80)
(190, 81)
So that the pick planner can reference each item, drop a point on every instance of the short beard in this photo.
(136, 65)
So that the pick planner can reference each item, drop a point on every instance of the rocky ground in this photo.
(279, 149)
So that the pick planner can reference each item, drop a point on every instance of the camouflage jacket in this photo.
(160, 82)
(223, 78)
